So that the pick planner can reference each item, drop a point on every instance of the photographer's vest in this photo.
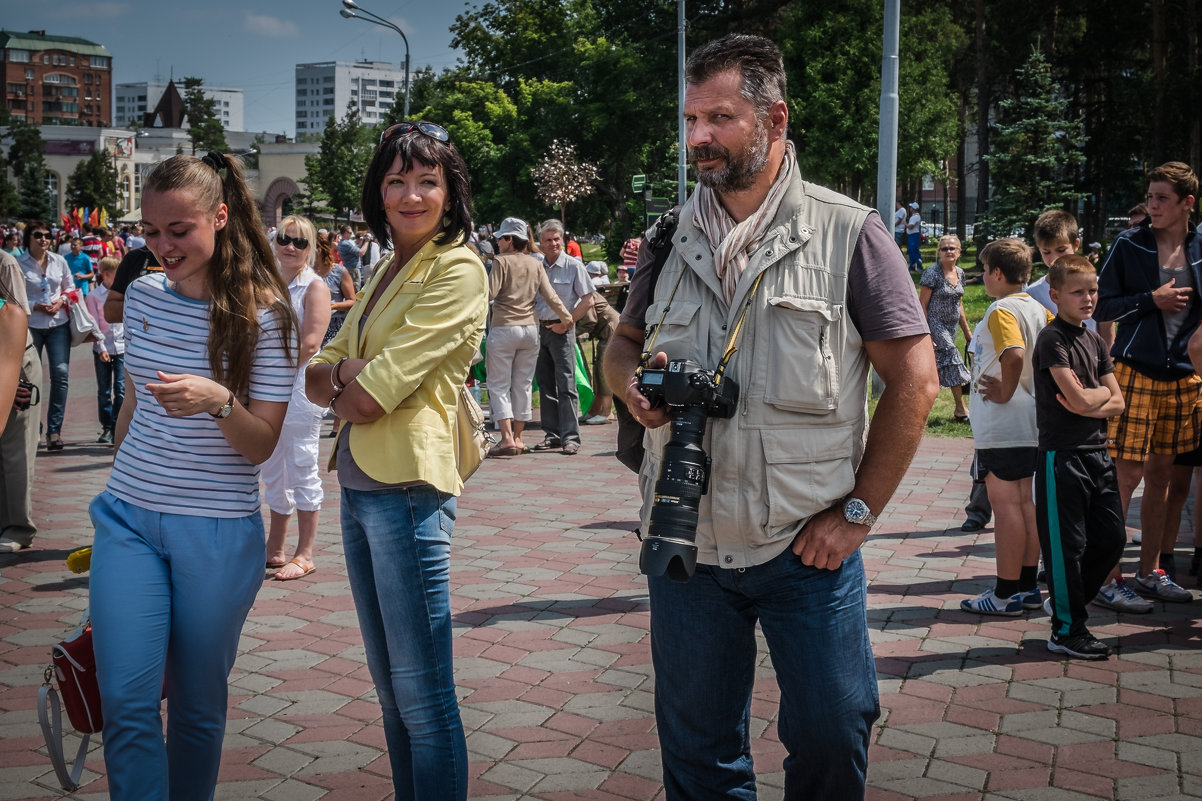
(792, 447)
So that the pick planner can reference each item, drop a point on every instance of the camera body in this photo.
(694, 395)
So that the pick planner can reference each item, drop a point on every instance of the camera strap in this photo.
(727, 352)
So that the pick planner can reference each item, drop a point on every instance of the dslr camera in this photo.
(693, 394)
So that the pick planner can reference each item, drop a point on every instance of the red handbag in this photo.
(73, 665)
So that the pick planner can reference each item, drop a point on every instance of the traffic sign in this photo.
(656, 206)
(637, 182)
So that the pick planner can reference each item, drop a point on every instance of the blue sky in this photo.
(252, 45)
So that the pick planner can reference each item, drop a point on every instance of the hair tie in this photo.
(215, 160)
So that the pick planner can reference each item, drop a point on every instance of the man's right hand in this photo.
(1170, 297)
(640, 408)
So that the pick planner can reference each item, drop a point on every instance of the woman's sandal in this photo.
(55, 443)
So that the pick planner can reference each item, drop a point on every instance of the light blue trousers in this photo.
(169, 595)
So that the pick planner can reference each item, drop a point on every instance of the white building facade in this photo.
(133, 100)
(325, 88)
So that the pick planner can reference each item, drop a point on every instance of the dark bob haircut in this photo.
(35, 225)
(415, 146)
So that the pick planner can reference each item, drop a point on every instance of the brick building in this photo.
(56, 80)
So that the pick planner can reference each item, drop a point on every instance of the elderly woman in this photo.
(941, 294)
(512, 353)
(290, 477)
(393, 374)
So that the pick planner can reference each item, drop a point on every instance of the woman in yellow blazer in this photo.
(392, 373)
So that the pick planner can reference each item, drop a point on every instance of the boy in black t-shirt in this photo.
(1079, 514)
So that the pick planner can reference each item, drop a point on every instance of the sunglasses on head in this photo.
(299, 241)
(428, 128)
(40, 235)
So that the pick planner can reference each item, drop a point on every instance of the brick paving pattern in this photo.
(553, 662)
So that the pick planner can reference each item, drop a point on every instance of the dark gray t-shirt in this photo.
(881, 300)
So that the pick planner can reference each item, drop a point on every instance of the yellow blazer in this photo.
(419, 342)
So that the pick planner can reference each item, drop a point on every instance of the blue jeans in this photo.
(913, 242)
(57, 342)
(110, 387)
(398, 556)
(704, 650)
(168, 594)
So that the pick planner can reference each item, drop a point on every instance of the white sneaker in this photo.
(11, 546)
(1119, 597)
(595, 420)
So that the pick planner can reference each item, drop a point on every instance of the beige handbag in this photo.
(472, 437)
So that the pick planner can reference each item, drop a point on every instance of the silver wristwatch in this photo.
(856, 511)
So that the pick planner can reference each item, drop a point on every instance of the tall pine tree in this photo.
(1035, 151)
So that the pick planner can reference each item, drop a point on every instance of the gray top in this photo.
(1181, 277)
(570, 281)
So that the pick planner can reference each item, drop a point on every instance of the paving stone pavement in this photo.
(553, 661)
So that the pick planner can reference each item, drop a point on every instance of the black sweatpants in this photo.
(1081, 531)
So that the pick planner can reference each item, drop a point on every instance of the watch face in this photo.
(855, 510)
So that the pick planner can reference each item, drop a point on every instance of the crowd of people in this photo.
(223, 344)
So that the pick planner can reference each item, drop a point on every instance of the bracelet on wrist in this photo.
(334, 380)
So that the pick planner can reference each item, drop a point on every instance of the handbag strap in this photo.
(50, 718)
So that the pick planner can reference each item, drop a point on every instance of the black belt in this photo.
(548, 323)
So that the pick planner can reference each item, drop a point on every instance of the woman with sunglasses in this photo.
(47, 279)
(941, 294)
(290, 479)
(179, 548)
(393, 374)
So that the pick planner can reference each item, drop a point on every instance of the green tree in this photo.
(1036, 150)
(36, 203)
(93, 183)
(204, 127)
(338, 168)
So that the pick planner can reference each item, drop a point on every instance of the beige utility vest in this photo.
(792, 448)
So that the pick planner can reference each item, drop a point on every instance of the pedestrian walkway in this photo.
(553, 659)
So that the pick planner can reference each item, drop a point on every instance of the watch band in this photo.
(226, 410)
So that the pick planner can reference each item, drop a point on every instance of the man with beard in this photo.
(811, 290)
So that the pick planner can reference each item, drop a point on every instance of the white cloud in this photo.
(93, 10)
(273, 27)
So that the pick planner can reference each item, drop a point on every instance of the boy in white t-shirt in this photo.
(1002, 409)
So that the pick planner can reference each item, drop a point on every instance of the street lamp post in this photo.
(348, 12)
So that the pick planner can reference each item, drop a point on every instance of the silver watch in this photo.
(856, 511)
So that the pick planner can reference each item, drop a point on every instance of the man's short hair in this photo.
(1072, 264)
(108, 264)
(1053, 225)
(346, 229)
(550, 225)
(1011, 256)
(1139, 210)
(1179, 174)
(757, 59)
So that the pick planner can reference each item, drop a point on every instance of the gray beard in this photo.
(740, 170)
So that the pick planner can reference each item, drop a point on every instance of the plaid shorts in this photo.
(1161, 416)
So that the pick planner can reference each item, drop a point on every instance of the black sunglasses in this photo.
(299, 241)
(40, 235)
(949, 247)
(428, 128)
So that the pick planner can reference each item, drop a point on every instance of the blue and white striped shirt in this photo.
(184, 465)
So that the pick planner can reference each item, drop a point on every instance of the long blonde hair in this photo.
(242, 275)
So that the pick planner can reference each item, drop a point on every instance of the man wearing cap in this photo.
(556, 370)
(598, 272)
(914, 238)
(515, 280)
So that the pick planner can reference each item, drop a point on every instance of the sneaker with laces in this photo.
(988, 603)
(1119, 597)
(1159, 585)
(1032, 599)
(1079, 646)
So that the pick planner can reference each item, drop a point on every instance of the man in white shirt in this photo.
(914, 238)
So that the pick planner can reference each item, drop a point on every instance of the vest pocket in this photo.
(677, 336)
(801, 331)
(808, 470)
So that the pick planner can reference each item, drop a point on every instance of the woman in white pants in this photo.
(511, 352)
(290, 478)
